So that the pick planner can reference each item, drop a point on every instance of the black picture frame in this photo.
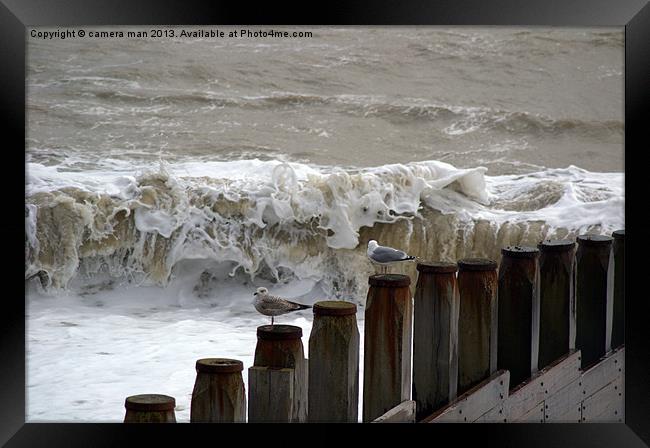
(17, 15)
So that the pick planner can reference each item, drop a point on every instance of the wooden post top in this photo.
(595, 240)
(278, 332)
(219, 365)
(477, 264)
(520, 252)
(438, 267)
(389, 280)
(618, 234)
(556, 245)
(150, 402)
(334, 308)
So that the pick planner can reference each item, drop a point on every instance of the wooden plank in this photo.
(535, 415)
(565, 405)
(402, 413)
(494, 415)
(562, 389)
(542, 385)
(281, 394)
(475, 402)
(607, 370)
(270, 394)
(606, 405)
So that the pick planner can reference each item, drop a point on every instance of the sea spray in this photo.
(279, 221)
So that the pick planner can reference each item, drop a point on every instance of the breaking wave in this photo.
(288, 221)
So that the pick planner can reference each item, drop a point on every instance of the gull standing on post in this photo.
(273, 305)
(384, 256)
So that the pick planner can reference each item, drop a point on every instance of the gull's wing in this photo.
(278, 303)
(383, 254)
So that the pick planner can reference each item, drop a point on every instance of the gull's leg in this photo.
(271, 320)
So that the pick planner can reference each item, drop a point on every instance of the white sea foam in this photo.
(294, 221)
(103, 345)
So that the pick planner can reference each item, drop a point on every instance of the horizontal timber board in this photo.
(402, 413)
(476, 401)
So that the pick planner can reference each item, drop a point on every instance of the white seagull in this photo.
(273, 305)
(384, 256)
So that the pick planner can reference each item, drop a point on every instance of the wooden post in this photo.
(618, 320)
(387, 341)
(218, 395)
(557, 300)
(280, 346)
(518, 315)
(435, 337)
(150, 408)
(334, 363)
(270, 395)
(593, 294)
(477, 329)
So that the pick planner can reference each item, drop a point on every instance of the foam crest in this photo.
(287, 221)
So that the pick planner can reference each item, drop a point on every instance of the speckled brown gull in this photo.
(273, 305)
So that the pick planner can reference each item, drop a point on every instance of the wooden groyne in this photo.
(219, 395)
(537, 336)
(334, 363)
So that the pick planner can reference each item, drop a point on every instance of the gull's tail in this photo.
(300, 305)
(409, 258)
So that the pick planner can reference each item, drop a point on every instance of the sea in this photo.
(169, 177)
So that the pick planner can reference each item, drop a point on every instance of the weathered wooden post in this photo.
(518, 315)
(557, 300)
(477, 325)
(279, 372)
(218, 395)
(618, 320)
(334, 363)
(593, 293)
(435, 337)
(387, 344)
(150, 408)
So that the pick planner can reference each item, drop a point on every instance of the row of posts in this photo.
(472, 319)
(469, 319)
